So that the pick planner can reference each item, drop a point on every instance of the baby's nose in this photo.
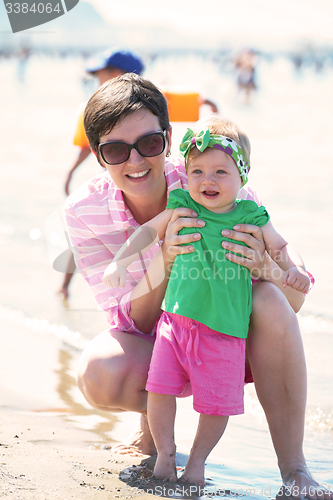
(209, 179)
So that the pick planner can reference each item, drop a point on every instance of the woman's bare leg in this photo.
(112, 376)
(276, 356)
(210, 430)
(161, 417)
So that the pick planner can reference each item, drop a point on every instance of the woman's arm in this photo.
(140, 306)
(148, 294)
(138, 243)
(255, 258)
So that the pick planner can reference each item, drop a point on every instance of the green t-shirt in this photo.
(205, 285)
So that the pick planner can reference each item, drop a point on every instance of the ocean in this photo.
(290, 123)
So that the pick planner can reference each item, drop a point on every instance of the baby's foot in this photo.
(165, 467)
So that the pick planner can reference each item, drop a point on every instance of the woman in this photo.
(103, 213)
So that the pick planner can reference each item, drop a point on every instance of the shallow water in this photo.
(290, 125)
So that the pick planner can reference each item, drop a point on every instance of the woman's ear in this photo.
(98, 158)
(169, 135)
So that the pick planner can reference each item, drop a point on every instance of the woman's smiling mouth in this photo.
(138, 175)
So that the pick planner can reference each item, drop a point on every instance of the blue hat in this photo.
(121, 59)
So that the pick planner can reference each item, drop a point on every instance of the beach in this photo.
(43, 454)
(42, 457)
(52, 443)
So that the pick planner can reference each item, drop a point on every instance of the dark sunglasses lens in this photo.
(115, 152)
(151, 145)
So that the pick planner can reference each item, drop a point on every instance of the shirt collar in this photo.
(121, 215)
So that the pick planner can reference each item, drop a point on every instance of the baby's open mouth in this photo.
(210, 194)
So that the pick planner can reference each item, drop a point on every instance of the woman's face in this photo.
(138, 177)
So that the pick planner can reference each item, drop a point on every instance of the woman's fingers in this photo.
(183, 217)
(253, 237)
(253, 254)
(183, 212)
(181, 243)
(237, 259)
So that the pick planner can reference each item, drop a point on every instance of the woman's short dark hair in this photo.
(118, 98)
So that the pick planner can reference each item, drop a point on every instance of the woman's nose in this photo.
(135, 158)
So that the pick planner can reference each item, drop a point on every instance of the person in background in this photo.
(245, 65)
(105, 66)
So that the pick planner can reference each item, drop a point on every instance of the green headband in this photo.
(204, 140)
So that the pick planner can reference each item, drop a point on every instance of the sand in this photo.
(52, 444)
(43, 453)
(43, 456)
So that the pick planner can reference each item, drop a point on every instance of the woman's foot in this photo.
(194, 473)
(299, 483)
(165, 467)
(140, 443)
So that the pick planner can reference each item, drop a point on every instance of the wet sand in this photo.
(43, 456)
(53, 445)
(43, 453)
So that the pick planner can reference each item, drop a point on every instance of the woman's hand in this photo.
(181, 217)
(258, 261)
(253, 256)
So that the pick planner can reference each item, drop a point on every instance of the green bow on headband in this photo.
(204, 140)
(201, 141)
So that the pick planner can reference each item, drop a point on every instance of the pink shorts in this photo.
(191, 358)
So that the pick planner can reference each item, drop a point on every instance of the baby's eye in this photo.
(197, 171)
(220, 171)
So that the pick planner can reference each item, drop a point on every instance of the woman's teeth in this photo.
(136, 175)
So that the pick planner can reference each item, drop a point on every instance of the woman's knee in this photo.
(96, 378)
(270, 305)
(109, 375)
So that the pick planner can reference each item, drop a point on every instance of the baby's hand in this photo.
(114, 275)
(297, 278)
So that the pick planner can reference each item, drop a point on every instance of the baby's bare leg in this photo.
(161, 417)
(210, 430)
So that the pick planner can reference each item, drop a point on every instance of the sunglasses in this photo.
(116, 152)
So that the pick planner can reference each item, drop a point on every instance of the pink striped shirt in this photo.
(99, 223)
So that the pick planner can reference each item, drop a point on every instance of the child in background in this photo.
(201, 334)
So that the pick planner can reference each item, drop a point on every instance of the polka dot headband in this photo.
(204, 140)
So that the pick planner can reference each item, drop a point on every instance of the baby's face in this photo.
(213, 180)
